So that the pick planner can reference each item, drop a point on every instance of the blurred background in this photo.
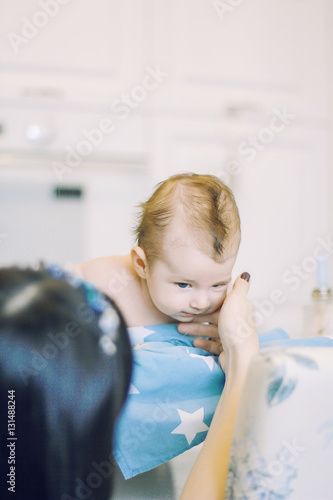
(102, 100)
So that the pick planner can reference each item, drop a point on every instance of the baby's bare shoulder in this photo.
(103, 269)
(113, 275)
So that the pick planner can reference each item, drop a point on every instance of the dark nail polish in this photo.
(245, 276)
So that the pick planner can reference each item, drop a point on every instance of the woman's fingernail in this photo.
(245, 276)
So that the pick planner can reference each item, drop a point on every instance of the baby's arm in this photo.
(240, 343)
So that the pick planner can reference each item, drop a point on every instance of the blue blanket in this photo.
(173, 395)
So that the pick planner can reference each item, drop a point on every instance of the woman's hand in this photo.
(237, 328)
(213, 346)
(232, 327)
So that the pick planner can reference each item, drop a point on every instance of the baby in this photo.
(187, 242)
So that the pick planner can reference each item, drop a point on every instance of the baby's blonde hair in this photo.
(209, 210)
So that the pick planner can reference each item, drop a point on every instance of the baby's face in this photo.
(186, 282)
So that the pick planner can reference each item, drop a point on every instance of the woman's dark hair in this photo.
(65, 368)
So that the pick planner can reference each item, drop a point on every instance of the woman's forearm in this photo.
(208, 476)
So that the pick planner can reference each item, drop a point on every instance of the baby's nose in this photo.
(200, 300)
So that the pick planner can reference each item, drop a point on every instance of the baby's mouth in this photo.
(190, 315)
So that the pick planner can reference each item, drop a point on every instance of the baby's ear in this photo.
(139, 261)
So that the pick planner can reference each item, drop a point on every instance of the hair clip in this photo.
(107, 345)
(109, 322)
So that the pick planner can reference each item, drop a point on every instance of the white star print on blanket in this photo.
(191, 424)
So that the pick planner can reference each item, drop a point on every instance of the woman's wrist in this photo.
(236, 364)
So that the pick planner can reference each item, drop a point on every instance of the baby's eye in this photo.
(182, 285)
(219, 285)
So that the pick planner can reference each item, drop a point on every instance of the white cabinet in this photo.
(76, 136)
(66, 68)
(255, 54)
(188, 145)
(283, 198)
(71, 50)
(259, 54)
